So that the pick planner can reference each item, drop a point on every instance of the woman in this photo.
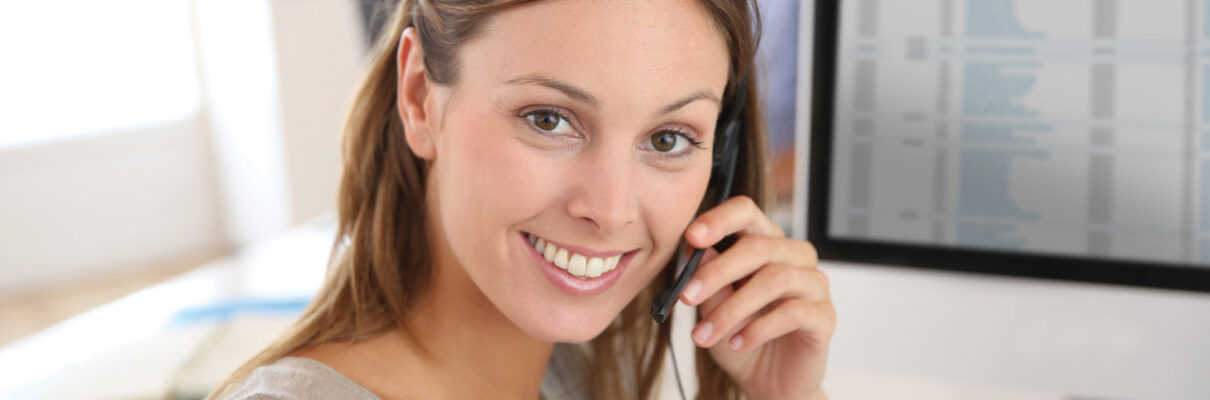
(519, 174)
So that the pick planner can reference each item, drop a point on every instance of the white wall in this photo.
(1083, 340)
(279, 76)
(320, 48)
(261, 154)
(108, 204)
(236, 51)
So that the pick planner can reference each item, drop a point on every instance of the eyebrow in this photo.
(583, 96)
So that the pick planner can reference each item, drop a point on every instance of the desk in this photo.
(152, 342)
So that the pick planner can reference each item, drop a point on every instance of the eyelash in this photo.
(525, 118)
(692, 141)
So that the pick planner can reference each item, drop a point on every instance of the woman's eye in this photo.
(672, 142)
(549, 121)
(664, 141)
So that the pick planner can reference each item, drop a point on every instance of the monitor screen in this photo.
(1053, 139)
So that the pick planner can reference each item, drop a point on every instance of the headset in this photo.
(726, 145)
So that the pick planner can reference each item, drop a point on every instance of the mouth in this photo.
(576, 271)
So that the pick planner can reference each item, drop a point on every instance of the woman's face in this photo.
(575, 121)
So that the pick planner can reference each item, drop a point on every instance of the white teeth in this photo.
(596, 267)
(561, 258)
(577, 265)
(549, 252)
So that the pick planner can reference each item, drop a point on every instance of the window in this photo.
(73, 68)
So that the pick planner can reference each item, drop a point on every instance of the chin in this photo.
(568, 325)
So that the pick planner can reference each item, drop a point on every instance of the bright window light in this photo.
(73, 68)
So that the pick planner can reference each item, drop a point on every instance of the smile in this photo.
(578, 265)
(575, 270)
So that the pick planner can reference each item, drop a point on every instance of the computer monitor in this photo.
(1063, 140)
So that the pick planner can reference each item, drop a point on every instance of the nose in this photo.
(604, 193)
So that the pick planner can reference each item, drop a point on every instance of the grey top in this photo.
(296, 378)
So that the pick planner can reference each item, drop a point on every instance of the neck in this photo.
(465, 346)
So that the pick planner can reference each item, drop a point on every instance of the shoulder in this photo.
(298, 378)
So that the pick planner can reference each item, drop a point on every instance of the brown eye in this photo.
(664, 141)
(546, 120)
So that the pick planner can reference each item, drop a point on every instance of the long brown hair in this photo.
(381, 261)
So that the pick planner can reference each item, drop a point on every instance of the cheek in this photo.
(488, 183)
(672, 206)
(484, 167)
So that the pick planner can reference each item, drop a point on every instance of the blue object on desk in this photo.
(226, 309)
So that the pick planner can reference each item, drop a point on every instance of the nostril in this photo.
(594, 223)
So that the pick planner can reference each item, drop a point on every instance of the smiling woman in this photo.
(519, 174)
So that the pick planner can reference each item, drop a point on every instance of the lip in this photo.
(570, 284)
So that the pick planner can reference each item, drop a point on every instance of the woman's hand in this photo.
(767, 311)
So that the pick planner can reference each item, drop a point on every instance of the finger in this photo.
(714, 301)
(770, 284)
(691, 288)
(708, 256)
(817, 320)
(708, 306)
(739, 215)
(742, 259)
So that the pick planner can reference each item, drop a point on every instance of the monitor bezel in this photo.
(1187, 277)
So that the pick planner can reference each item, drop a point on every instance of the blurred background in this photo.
(143, 141)
(168, 171)
(141, 138)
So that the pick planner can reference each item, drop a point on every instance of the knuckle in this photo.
(802, 282)
(820, 277)
(782, 274)
(752, 210)
(724, 317)
(762, 245)
(809, 250)
(745, 201)
(758, 329)
(802, 276)
(829, 316)
(819, 314)
(801, 310)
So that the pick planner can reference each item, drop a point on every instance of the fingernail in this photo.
(694, 289)
(698, 230)
(737, 341)
(703, 332)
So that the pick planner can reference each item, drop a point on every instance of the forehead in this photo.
(648, 48)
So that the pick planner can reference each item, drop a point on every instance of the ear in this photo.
(413, 94)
